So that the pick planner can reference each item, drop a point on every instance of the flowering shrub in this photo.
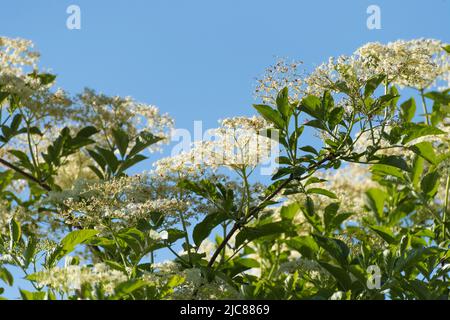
(363, 213)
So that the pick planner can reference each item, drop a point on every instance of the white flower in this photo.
(72, 277)
(164, 235)
(339, 295)
(419, 64)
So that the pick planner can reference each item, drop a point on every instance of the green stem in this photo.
(186, 237)
(424, 105)
(444, 219)
(124, 261)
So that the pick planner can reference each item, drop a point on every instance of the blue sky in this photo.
(198, 60)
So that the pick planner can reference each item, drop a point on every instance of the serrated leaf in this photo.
(283, 104)
(385, 234)
(289, 212)
(425, 150)
(321, 191)
(408, 110)
(270, 115)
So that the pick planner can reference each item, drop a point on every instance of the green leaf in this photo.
(417, 130)
(46, 78)
(15, 233)
(375, 199)
(385, 234)
(203, 229)
(144, 140)
(97, 172)
(6, 276)
(425, 150)
(315, 124)
(15, 123)
(311, 105)
(447, 48)
(335, 117)
(395, 161)
(242, 264)
(128, 287)
(121, 140)
(290, 211)
(329, 214)
(252, 233)
(321, 191)
(128, 163)
(327, 105)
(417, 170)
(77, 237)
(30, 250)
(283, 104)
(335, 247)
(86, 132)
(69, 242)
(109, 157)
(23, 159)
(430, 184)
(305, 245)
(97, 158)
(310, 149)
(270, 115)
(27, 295)
(310, 214)
(372, 84)
(341, 275)
(383, 169)
(3, 96)
(174, 235)
(408, 110)
(133, 237)
(414, 256)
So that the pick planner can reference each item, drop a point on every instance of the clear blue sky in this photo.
(197, 59)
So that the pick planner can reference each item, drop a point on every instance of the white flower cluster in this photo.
(18, 68)
(124, 199)
(108, 112)
(303, 265)
(74, 277)
(238, 142)
(18, 213)
(419, 64)
(278, 76)
(15, 54)
(194, 284)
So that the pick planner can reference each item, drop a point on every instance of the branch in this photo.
(255, 210)
(26, 175)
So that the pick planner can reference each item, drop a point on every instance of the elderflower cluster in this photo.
(193, 285)
(238, 142)
(75, 277)
(16, 54)
(278, 76)
(181, 165)
(419, 64)
(123, 199)
(305, 266)
(9, 212)
(18, 76)
(109, 112)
